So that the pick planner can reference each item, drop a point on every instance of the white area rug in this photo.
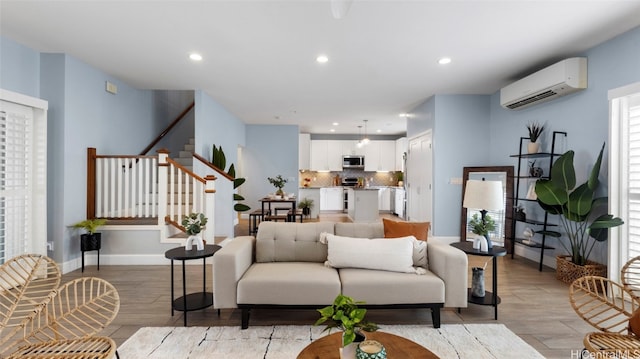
(286, 341)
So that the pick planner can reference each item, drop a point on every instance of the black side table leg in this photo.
(184, 292)
(495, 286)
(98, 259)
(172, 297)
(82, 261)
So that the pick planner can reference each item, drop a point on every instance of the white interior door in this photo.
(419, 175)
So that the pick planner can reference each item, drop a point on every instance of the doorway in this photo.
(419, 175)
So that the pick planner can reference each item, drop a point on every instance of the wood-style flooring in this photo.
(535, 305)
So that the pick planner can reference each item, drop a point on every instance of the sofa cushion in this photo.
(291, 242)
(384, 287)
(359, 230)
(289, 283)
(377, 253)
(395, 229)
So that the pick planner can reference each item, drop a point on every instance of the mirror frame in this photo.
(508, 205)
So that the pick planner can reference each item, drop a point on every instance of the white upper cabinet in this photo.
(304, 151)
(380, 156)
(326, 155)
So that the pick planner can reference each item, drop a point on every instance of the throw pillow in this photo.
(395, 229)
(395, 255)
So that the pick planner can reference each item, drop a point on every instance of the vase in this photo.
(90, 241)
(533, 147)
(279, 192)
(194, 240)
(371, 349)
(349, 351)
(477, 282)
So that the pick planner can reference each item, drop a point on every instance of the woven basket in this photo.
(567, 271)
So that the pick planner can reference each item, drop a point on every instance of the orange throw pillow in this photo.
(395, 229)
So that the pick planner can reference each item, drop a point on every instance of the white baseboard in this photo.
(124, 259)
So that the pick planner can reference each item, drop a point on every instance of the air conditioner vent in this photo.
(559, 79)
(532, 99)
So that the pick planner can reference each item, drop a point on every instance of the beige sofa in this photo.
(283, 267)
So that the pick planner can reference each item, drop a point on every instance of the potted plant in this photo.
(344, 314)
(194, 224)
(482, 226)
(580, 215)
(91, 240)
(535, 130)
(278, 183)
(306, 204)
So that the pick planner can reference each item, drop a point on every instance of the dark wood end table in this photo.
(192, 301)
(490, 298)
(328, 347)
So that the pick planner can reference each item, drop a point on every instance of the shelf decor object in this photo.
(484, 196)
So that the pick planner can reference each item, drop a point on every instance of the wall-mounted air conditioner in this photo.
(559, 79)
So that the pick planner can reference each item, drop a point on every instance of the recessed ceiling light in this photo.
(332, 130)
(335, 124)
(195, 56)
(378, 130)
(322, 59)
(444, 61)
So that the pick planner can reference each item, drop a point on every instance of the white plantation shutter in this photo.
(624, 175)
(23, 214)
(633, 176)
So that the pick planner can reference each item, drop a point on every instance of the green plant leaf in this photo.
(580, 200)
(238, 182)
(237, 197)
(223, 159)
(550, 233)
(239, 207)
(555, 209)
(595, 171)
(232, 171)
(563, 173)
(550, 194)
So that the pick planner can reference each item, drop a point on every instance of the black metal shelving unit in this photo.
(520, 200)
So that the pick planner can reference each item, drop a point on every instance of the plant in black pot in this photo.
(91, 240)
(306, 204)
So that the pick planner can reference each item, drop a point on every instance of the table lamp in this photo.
(484, 196)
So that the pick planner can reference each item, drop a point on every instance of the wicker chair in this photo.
(64, 323)
(630, 276)
(607, 306)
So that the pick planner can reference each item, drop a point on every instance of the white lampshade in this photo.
(487, 195)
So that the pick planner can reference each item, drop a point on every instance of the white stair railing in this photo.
(130, 187)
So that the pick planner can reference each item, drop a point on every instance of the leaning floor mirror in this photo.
(503, 233)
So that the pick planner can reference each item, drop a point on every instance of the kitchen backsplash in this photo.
(326, 179)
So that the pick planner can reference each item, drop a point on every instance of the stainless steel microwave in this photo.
(353, 162)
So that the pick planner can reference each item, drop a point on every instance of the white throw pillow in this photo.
(390, 254)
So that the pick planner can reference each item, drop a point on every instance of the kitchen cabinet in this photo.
(362, 205)
(380, 156)
(350, 148)
(331, 199)
(399, 199)
(326, 155)
(401, 148)
(384, 199)
(304, 151)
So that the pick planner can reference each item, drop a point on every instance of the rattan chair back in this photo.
(26, 284)
(630, 276)
(603, 303)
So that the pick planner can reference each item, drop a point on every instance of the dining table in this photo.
(268, 201)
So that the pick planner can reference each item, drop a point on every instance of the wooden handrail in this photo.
(166, 130)
(184, 169)
(215, 168)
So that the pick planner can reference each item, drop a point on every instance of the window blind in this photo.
(631, 120)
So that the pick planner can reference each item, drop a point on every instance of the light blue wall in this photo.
(19, 68)
(168, 105)
(215, 125)
(271, 150)
(460, 131)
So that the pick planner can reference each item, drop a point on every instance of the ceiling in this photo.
(259, 57)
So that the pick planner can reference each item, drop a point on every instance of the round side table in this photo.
(490, 298)
(197, 300)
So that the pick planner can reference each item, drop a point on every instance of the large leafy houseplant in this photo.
(576, 207)
(344, 314)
